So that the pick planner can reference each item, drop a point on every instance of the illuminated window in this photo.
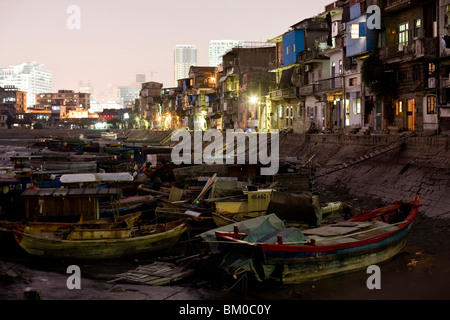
(403, 33)
(357, 106)
(431, 103)
(354, 31)
(417, 28)
(399, 107)
(353, 81)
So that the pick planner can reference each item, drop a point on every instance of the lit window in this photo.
(357, 106)
(399, 107)
(431, 101)
(403, 33)
(354, 31)
(280, 112)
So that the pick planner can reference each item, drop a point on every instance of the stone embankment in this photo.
(385, 167)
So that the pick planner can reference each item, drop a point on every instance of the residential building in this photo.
(125, 96)
(185, 57)
(297, 68)
(149, 104)
(12, 100)
(361, 106)
(409, 49)
(67, 98)
(30, 77)
(442, 112)
(243, 87)
(201, 94)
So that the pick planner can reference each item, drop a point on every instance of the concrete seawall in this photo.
(420, 165)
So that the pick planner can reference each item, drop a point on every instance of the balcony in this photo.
(424, 47)
(392, 5)
(329, 85)
(307, 90)
(289, 93)
(310, 56)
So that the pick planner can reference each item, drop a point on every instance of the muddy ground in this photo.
(420, 272)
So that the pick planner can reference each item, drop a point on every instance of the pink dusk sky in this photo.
(121, 38)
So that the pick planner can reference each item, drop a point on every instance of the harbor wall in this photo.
(420, 165)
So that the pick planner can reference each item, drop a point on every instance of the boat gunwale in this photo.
(313, 248)
(179, 226)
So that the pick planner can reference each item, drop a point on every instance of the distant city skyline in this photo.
(115, 41)
(217, 49)
(30, 77)
(185, 56)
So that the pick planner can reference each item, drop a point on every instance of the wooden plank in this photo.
(328, 231)
(207, 186)
(175, 194)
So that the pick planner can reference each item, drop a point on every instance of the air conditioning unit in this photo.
(431, 82)
(335, 29)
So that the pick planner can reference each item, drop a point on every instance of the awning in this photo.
(286, 76)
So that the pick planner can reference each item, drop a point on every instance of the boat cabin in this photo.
(66, 205)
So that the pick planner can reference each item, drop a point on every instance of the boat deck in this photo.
(345, 232)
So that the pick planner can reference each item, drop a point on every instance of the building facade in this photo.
(12, 100)
(30, 77)
(185, 57)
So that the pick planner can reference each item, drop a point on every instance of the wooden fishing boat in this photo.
(252, 204)
(295, 256)
(92, 241)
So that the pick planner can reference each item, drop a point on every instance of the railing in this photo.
(307, 90)
(329, 84)
(418, 47)
(392, 3)
(283, 93)
(308, 55)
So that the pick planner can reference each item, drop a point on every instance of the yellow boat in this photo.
(253, 205)
(92, 241)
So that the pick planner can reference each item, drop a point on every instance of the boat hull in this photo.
(369, 238)
(40, 245)
(304, 269)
